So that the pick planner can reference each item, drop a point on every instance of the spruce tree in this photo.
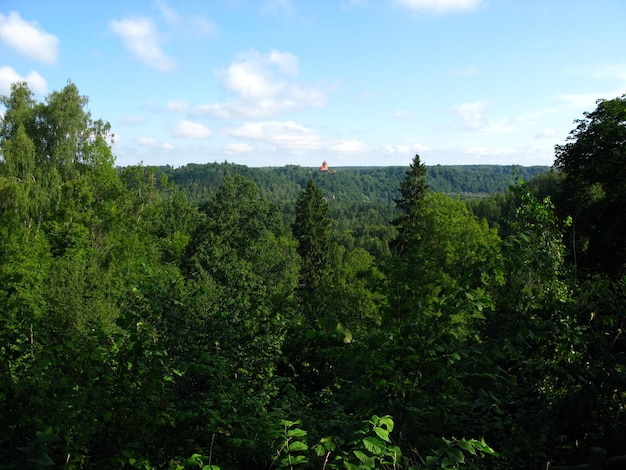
(413, 189)
(311, 230)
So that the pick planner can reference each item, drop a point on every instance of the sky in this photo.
(296, 82)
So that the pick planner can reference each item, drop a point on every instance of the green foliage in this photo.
(311, 230)
(253, 318)
(413, 190)
(293, 448)
(350, 186)
(455, 452)
(439, 288)
(593, 188)
(373, 448)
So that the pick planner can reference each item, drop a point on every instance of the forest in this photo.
(221, 317)
(350, 185)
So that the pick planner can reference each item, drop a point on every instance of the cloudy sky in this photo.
(353, 82)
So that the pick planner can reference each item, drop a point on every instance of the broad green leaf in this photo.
(382, 433)
(296, 446)
(374, 445)
(364, 458)
(297, 432)
(298, 459)
(386, 421)
(467, 446)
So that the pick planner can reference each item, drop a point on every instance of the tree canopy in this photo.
(151, 324)
(594, 188)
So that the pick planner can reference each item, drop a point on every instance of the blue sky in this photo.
(353, 82)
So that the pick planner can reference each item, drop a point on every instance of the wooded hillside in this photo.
(350, 185)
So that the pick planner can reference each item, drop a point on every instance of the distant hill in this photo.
(349, 185)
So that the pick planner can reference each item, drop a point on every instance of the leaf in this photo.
(297, 432)
(455, 455)
(467, 446)
(387, 422)
(364, 458)
(374, 445)
(328, 442)
(382, 433)
(319, 450)
(298, 459)
(483, 447)
(296, 446)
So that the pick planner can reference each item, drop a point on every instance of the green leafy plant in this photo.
(293, 448)
(454, 453)
(375, 449)
(371, 449)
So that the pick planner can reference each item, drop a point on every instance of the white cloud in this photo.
(490, 152)
(602, 71)
(153, 143)
(503, 126)
(8, 76)
(472, 114)
(28, 39)
(284, 135)
(191, 130)
(587, 101)
(237, 148)
(547, 133)
(251, 81)
(350, 146)
(405, 149)
(142, 39)
(263, 86)
(440, 6)
(287, 62)
(133, 120)
(178, 106)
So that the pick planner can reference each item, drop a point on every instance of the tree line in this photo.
(350, 185)
(148, 323)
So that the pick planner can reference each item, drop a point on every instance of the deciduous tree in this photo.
(594, 163)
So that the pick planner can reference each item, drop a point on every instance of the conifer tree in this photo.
(413, 189)
(311, 230)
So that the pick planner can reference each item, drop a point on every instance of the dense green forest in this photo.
(350, 185)
(224, 317)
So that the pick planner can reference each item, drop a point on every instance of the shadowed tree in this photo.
(594, 187)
